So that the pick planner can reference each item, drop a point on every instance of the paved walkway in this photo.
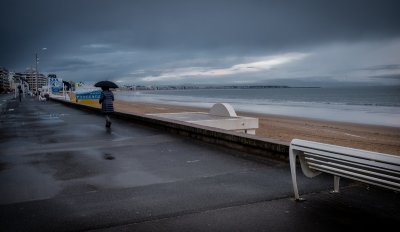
(62, 170)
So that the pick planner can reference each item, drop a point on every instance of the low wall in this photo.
(249, 145)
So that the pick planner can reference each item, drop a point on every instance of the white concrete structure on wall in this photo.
(221, 115)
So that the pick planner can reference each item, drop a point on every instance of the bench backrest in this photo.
(366, 166)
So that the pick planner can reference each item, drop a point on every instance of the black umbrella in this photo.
(107, 84)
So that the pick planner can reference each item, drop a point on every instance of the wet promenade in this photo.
(62, 170)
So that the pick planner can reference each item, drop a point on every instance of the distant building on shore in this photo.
(4, 80)
(20, 80)
(34, 79)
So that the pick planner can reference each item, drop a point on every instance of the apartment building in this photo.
(35, 80)
(4, 80)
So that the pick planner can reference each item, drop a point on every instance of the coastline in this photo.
(331, 104)
(382, 139)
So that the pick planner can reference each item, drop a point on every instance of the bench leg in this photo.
(292, 159)
(336, 180)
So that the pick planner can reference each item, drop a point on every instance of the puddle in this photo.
(51, 116)
(108, 157)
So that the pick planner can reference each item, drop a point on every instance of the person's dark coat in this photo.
(106, 101)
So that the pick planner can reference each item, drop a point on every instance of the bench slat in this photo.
(324, 159)
(374, 181)
(376, 162)
(363, 154)
(359, 170)
(339, 172)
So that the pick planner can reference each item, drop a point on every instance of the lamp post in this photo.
(36, 69)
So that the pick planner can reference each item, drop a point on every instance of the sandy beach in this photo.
(368, 137)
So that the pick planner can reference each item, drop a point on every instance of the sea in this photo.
(365, 105)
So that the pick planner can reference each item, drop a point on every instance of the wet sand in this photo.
(368, 137)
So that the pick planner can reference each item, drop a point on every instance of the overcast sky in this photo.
(205, 42)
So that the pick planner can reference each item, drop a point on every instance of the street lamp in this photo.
(37, 71)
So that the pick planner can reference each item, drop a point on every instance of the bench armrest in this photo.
(306, 170)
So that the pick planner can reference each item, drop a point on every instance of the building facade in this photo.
(4, 80)
(19, 79)
(35, 80)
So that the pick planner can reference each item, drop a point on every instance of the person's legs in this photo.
(108, 121)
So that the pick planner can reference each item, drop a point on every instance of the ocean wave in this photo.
(374, 104)
(149, 97)
(378, 113)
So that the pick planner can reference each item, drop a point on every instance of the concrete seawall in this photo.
(249, 145)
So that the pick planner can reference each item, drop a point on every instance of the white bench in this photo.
(360, 165)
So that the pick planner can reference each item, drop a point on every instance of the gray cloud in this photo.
(96, 39)
(383, 67)
(392, 76)
(70, 64)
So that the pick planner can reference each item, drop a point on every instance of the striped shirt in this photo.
(106, 101)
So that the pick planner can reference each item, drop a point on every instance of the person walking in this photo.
(20, 93)
(107, 106)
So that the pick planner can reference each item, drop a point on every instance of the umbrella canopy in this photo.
(107, 84)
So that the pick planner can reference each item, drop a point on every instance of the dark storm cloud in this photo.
(391, 76)
(200, 23)
(383, 67)
(125, 35)
(71, 64)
